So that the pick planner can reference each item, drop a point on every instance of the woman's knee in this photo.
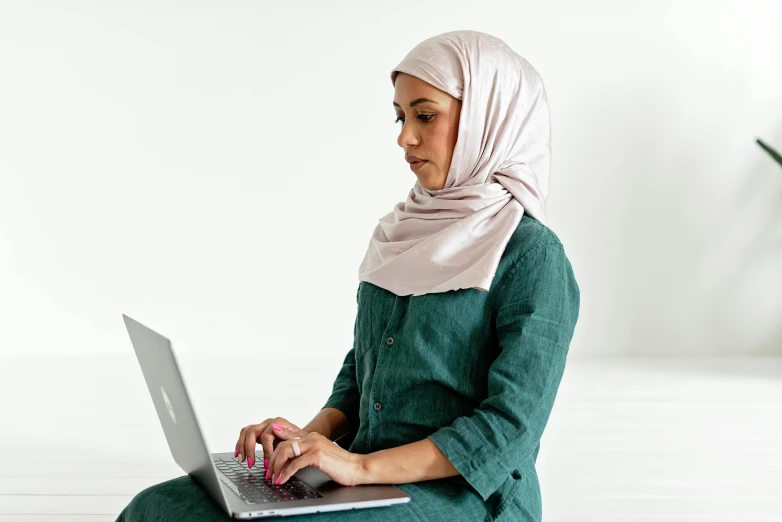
(167, 500)
(143, 504)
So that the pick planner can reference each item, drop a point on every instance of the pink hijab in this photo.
(453, 238)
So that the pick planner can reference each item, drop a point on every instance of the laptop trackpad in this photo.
(334, 491)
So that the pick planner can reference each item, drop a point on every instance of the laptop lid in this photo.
(172, 403)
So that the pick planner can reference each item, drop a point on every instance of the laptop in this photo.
(240, 491)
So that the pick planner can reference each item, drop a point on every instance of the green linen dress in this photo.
(476, 372)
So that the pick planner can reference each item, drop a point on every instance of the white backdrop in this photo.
(173, 160)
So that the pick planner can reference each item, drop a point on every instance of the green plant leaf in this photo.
(774, 154)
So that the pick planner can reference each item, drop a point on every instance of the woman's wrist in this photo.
(318, 426)
(363, 469)
(329, 422)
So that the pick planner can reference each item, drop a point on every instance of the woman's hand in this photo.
(316, 450)
(265, 435)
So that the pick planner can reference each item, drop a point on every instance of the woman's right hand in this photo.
(264, 435)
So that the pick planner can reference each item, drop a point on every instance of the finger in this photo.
(251, 441)
(268, 475)
(267, 436)
(282, 454)
(297, 464)
(268, 440)
(283, 430)
(239, 450)
(279, 429)
(272, 459)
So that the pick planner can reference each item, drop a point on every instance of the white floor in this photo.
(635, 439)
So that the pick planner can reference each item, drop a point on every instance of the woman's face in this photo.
(429, 128)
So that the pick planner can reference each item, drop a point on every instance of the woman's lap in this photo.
(182, 499)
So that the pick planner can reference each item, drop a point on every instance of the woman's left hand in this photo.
(316, 450)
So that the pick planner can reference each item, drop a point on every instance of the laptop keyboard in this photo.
(251, 486)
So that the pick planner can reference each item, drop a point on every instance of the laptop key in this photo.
(254, 487)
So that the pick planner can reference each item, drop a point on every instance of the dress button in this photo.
(516, 475)
(390, 341)
(377, 406)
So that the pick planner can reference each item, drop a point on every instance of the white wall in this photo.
(170, 161)
(173, 162)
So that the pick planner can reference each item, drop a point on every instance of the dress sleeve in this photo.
(537, 308)
(345, 395)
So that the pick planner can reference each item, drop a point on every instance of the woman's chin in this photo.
(429, 184)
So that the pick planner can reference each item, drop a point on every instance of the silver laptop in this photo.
(242, 492)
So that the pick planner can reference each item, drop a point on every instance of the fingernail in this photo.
(267, 475)
(236, 453)
(278, 480)
(265, 463)
(250, 462)
(276, 427)
(240, 457)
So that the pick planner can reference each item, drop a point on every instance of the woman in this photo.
(467, 305)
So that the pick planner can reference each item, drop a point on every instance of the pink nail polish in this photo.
(278, 480)
(236, 453)
(265, 463)
(276, 427)
(250, 462)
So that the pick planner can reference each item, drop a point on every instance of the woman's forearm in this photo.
(329, 422)
(412, 462)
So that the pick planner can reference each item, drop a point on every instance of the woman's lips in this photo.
(416, 165)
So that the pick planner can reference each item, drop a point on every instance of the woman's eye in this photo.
(426, 118)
